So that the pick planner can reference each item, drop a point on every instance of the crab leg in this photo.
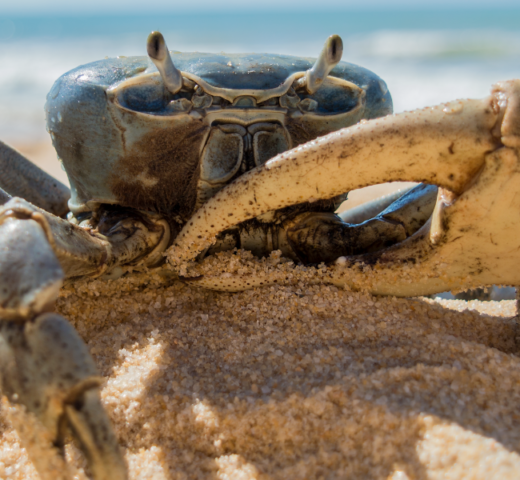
(466, 147)
(21, 178)
(4, 197)
(44, 364)
(313, 237)
(370, 209)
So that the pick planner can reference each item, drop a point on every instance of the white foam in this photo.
(420, 67)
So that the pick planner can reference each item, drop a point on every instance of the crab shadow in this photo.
(297, 382)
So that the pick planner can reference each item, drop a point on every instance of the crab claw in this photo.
(47, 368)
(468, 148)
(44, 364)
(160, 56)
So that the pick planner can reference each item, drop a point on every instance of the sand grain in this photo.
(297, 382)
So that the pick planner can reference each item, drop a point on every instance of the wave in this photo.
(449, 44)
(421, 67)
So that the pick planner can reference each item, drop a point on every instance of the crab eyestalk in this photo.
(329, 57)
(160, 56)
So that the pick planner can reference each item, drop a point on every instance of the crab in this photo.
(170, 162)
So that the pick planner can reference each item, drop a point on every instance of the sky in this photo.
(192, 6)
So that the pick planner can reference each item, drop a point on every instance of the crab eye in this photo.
(148, 96)
(332, 98)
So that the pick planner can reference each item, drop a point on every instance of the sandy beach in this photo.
(292, 382)
(296, 382)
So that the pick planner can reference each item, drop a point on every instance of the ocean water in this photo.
(425, 56)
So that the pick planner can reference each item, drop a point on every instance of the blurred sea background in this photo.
(426, 55)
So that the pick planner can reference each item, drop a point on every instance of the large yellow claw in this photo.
(469, 148)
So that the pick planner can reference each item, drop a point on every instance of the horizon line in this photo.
(269, 8)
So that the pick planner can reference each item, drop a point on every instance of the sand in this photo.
(293, 382)
(296, 382)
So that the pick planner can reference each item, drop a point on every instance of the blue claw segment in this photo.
(47, 367)
(31, 275)
(19, 177)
